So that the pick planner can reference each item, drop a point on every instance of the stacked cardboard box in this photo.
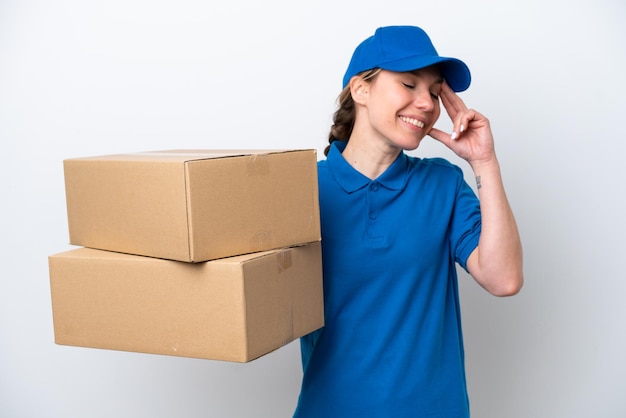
(207, 254)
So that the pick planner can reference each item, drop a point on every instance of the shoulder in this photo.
(322, 166)
(434, 165)
(323, 172)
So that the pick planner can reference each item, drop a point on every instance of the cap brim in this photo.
(453, 70)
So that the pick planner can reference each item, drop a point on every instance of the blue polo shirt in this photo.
(392, 344)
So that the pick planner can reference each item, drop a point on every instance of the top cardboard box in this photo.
(193, 205)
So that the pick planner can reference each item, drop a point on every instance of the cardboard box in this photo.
(233, 309)
(193, 205)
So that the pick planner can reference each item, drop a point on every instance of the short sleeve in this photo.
(466, 223)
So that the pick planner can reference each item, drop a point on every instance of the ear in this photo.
(359, 89)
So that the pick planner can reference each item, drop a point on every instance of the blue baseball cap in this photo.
(405, 48)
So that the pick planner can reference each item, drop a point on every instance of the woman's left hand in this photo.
(471, 138)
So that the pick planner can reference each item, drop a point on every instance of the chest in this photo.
(415, 218)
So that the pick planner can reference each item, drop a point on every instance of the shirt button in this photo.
(374, 187)
(372, 215)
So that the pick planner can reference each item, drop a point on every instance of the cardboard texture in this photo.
(193, 205)
(232, 309)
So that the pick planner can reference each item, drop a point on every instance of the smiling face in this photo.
(399, 109)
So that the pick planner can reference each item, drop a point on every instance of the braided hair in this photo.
(343, 119)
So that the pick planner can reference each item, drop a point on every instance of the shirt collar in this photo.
(393, 178)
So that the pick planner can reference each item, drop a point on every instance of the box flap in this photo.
(184, 155)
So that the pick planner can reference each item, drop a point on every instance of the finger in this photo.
(439, 135)
(451, 101)
(445, 139)
(458, 112)
(461, 122)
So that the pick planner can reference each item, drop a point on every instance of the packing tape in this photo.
(284, 260)
(261, 239)
(258, 165)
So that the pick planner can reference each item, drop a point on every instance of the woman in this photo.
(393, 229)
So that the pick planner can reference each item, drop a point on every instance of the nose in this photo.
(423, 100)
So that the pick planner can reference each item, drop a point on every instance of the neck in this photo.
(368, 158)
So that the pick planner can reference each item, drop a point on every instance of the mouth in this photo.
(415, 122)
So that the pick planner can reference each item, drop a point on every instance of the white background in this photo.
(82, 78)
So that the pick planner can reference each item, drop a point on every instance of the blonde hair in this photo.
(343, 119)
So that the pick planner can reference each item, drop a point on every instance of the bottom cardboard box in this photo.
(233, 309)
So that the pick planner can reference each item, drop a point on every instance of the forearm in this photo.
(497, 262)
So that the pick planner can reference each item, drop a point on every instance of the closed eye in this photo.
(436, 92)
(408, 86)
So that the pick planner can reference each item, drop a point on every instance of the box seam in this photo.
(188, 212)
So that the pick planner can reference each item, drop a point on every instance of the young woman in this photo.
(393, 229)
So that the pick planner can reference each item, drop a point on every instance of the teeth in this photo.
(413, 122)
